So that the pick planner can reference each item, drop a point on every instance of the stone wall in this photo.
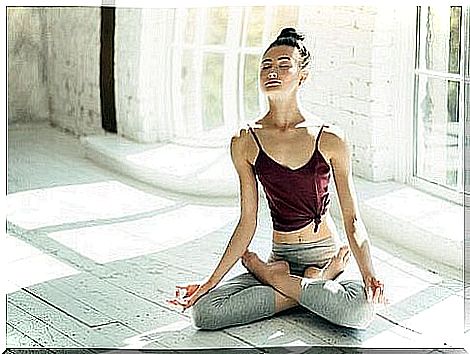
(27, 65)
(53, 67)
(74, 67)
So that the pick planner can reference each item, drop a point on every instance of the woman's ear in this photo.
(303, 76)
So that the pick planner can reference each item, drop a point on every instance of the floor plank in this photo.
(17, 339)
(42, 332)
(110, 334)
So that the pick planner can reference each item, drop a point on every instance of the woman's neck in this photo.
(284, 113)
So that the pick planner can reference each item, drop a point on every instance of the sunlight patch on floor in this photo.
(441, 323)
(276, 335)
(144, 339)
(106, 243)
(28, 266)
(81, 202)
(398, 285)
(395, 338)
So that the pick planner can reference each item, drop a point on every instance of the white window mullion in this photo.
(241, 66)
(439, 75)
(268, 21)
(230, 76)
(422, 38)
(461, 131)
(179, 120)
(201, 23)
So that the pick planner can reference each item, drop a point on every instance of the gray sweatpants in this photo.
(244, 299)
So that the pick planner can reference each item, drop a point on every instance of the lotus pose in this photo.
(293, 155)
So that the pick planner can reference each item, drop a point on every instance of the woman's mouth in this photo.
(272, 83)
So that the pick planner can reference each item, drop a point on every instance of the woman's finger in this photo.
(368, 290)
(382, 296)
(175, 302)
(375, 297)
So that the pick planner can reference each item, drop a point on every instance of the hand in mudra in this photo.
(374, 289)
(187, 295)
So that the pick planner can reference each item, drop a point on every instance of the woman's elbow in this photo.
(248, 221)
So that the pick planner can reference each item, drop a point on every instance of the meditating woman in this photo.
(293, 156)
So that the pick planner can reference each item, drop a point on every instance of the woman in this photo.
(305, 258)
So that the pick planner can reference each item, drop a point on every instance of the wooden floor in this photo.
(92, 260)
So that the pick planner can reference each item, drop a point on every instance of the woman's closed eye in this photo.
(267, 67)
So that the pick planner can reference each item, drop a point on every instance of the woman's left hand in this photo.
(374, 289)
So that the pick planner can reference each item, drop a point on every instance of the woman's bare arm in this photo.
(355, 230)
(245, 229)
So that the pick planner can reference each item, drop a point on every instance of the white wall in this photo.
(73, 67)
(27, 65)
(142, 73)
(53, 67)
(361, 66)
(361, 79)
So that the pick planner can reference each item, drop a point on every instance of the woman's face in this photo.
(280, 70)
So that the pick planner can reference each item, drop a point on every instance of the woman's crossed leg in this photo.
(269, 289)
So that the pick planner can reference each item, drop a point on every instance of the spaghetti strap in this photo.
(255, 137)
(318, 136)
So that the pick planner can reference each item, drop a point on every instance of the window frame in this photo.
(235, 51)
(419, 182)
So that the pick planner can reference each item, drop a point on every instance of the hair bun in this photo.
(290, 32)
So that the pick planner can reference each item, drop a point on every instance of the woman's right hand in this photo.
(187, 295)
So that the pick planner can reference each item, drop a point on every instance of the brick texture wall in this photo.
(353, 80)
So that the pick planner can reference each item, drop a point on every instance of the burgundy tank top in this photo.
(295, 196)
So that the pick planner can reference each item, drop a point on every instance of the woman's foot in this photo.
(312, 272)
(264, 271)
(333, 269)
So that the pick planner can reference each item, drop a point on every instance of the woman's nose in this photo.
(272, 75)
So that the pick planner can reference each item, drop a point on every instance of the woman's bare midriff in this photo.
(306, 234)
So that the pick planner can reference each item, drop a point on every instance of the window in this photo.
(215, 56)
(441, 96)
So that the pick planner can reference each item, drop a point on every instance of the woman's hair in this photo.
(290, 37)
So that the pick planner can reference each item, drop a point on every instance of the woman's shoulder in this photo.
(333, 132)
(334, 141)
(241, 139)
(329, 131)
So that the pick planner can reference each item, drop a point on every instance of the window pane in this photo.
(188, 91)
(285, 16)
(442, 31)
(467, 39)
(250, 87)
(438, 131)
(467, 139)
(190, 29)
(212, 90)
(255, 26)
(216, 29)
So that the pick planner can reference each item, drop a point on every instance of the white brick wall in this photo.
(361, 78)
(356, 78)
